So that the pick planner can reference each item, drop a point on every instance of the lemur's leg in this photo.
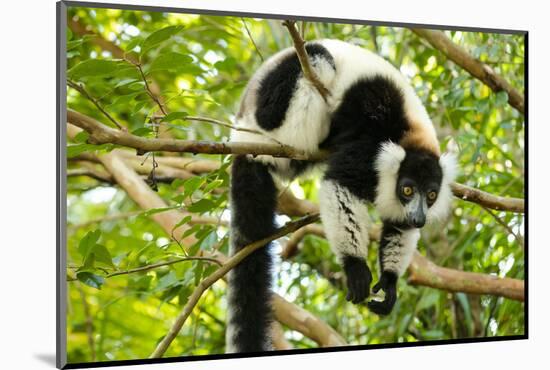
(345, 219)
(253, 201)
(397, 246)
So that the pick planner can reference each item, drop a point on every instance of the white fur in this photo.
(307, 121)
(337, 224)
(440, 209)
(398, 253)
(387, 165)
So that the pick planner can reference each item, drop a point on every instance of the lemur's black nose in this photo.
(418, 222)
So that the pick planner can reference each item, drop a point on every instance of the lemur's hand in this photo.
(359, 278)
(387, 283)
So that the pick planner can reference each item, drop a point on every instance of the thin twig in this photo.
(230, 126)
(299, 45)
(252, 39)
(157, 265)
(506, 226)
(87, 95)
(147, 88)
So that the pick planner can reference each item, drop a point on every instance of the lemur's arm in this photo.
(345, 220)
(397, 246)
(348, 184)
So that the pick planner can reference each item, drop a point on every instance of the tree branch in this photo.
(476, 68)
(101, 134)
(218, 274)
(311, 326)
(487, 199)
(424, 272)
(299, 45)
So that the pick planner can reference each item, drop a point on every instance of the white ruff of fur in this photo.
(440, 209)
(387, 165)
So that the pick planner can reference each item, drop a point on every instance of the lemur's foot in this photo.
(358, 277)
(387, 283)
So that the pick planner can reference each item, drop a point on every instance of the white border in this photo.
(28, 182)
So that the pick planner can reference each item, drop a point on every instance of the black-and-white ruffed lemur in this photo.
(383, 149)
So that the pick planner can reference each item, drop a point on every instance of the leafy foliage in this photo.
(199, 66)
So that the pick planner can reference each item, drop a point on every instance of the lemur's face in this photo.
(413, 185)
(418, 186)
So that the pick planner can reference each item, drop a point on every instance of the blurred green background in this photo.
(200, 65)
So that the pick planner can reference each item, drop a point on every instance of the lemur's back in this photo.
(280, 102)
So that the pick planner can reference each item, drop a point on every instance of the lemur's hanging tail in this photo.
(253, 200)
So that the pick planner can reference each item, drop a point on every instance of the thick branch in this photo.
(101, 134)
(299, 45)
(487, 199)
(479, 70)
(308, 324)
(424, 272)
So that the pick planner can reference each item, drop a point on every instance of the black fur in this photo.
(277, 87)
(253, 201)
(388, 283)
(358, 277)
(422, 170)
(372, 110)
(388, 279)
(371, 113)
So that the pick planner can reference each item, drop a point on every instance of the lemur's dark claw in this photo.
(358, 277)
(387, 283)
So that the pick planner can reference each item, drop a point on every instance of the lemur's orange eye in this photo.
(407, 191)
(432, 195)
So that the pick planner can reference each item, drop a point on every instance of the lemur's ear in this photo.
(389, 158)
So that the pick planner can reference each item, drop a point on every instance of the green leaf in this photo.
(77, 149)
(429, 299)
(102, 255)
(167, 280)
(193, 229)
(209, 240)
(135, 41)
(191, 185)
(183, 221)
(159, 36)
(81, 137)
(88, 242)
(501, 98)
(170, 61)
(140, 284)
(226, 65)
(96, 68)
(174, 116)
(202, 206)
(199, 268)
(90, 279)
(142, 131)
(213, 185)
